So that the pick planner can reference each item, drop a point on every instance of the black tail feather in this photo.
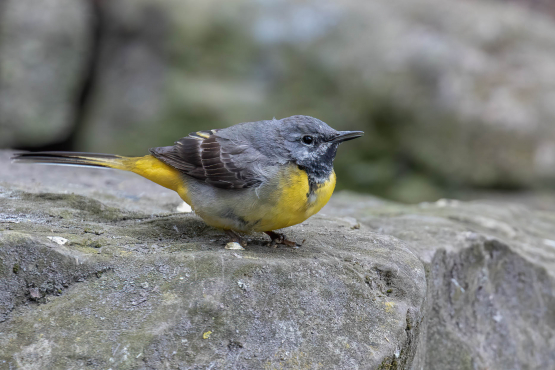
(67, 158)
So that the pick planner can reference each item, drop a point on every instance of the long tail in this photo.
(74, 159)
(147, 166)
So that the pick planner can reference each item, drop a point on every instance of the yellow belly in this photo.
(284, 202)
(294, 204)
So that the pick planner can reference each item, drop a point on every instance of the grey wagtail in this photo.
(250, 177)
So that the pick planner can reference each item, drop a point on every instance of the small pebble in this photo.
(184, 207)
(234, 245)
(34, 293)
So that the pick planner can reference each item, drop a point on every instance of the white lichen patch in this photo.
(58, 239)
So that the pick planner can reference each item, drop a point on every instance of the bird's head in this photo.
(312, 144)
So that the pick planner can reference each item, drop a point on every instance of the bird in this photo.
(258, 176)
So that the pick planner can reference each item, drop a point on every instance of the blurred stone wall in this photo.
(44, 48)
(452, 94)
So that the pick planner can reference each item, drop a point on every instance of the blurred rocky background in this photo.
(455, 96)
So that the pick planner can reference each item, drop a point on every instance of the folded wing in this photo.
(215, 160)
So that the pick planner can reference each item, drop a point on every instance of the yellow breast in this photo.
(295, 203)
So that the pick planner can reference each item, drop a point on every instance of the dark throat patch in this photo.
(315, 181)
(318, 169)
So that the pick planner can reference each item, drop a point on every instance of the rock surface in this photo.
(132, 284)
(490, 270)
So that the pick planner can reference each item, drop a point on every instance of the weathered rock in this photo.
(491, 279)
(42, 269)
(445, 285)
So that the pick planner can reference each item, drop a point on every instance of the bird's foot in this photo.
(280, 239)
(236, 238)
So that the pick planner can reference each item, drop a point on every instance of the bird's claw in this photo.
(278, 238)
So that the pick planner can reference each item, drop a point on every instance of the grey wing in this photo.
(207, 157)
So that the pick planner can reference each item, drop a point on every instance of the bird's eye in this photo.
(308, 139)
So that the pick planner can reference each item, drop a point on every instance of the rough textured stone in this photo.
(491, 279)
(376, 285)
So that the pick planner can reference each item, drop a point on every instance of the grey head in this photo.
(312, 144)
(305, 141)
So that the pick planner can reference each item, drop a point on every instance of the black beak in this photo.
(346, 135)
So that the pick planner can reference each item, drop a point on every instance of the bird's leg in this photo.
(280, 239)
(234, 237)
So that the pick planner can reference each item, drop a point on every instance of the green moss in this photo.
(94, 244)
(388, 364)
(15, 268)
(92, 231)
